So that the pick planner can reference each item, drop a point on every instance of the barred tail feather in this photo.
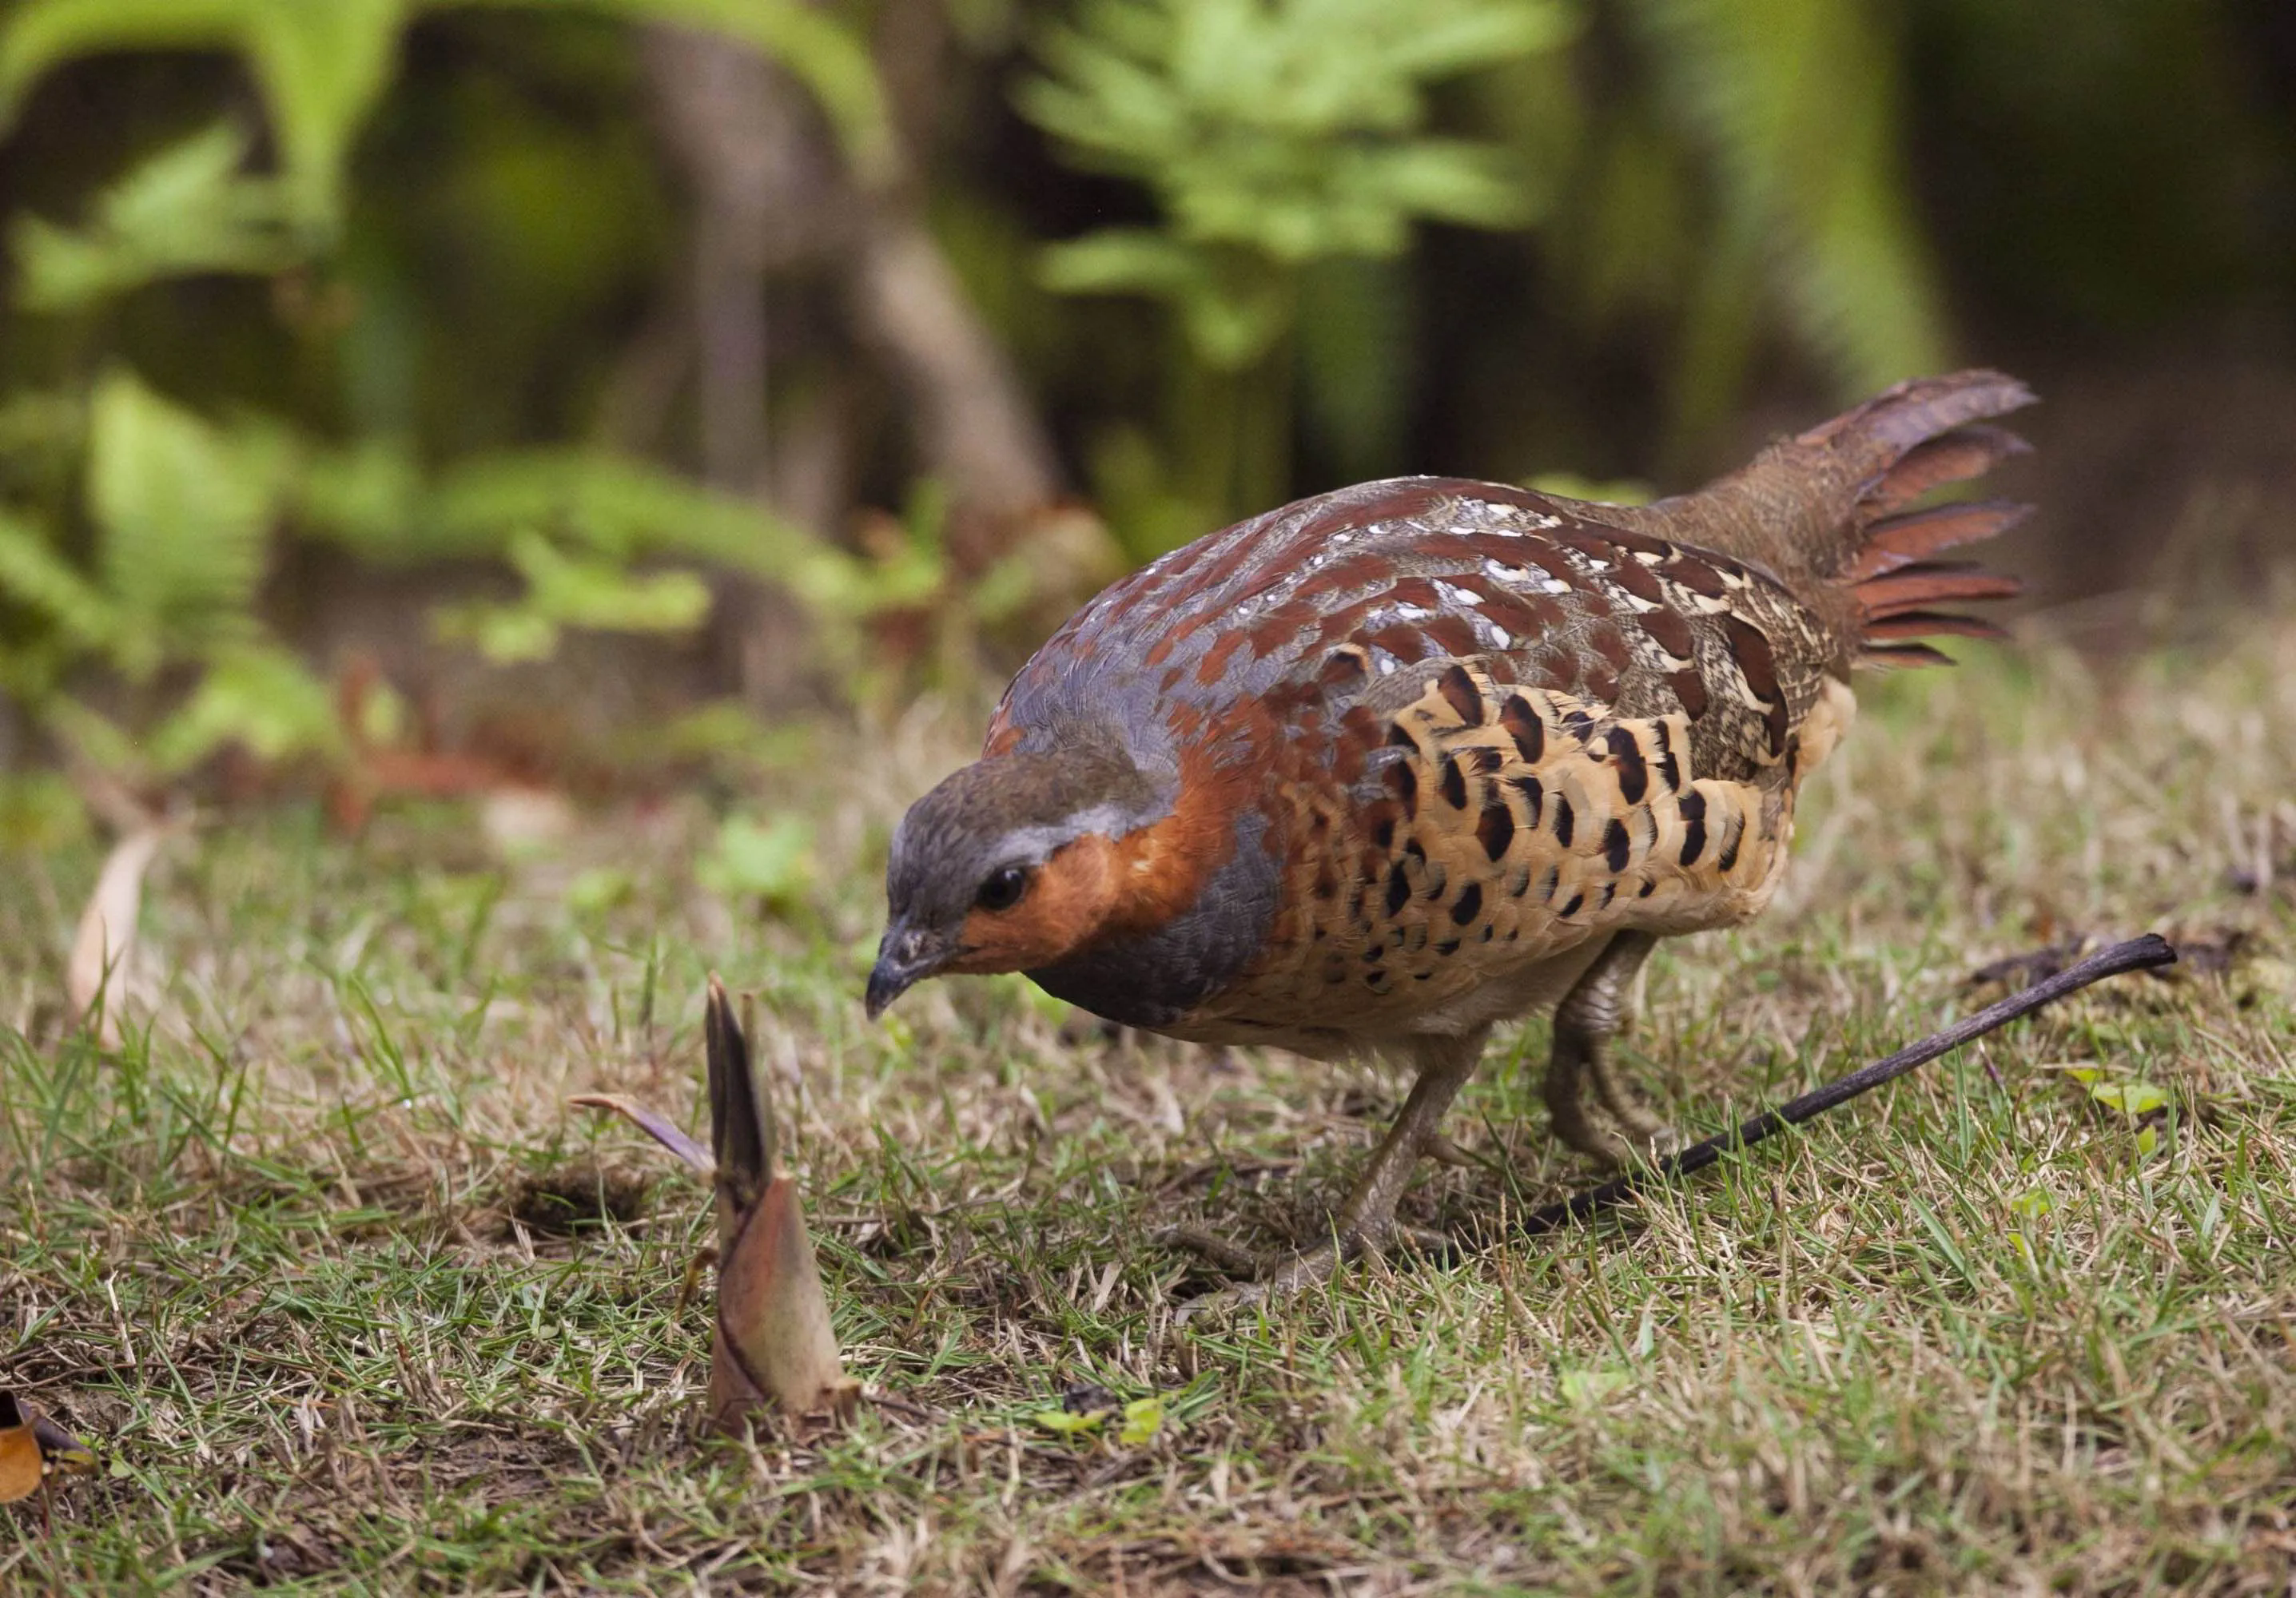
(1827, 512)
(1899, 446)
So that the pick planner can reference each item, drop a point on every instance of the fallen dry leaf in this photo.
(98, 968)
(22, 1467)
(32, 1448)
(2201, 951)
(655, 1125)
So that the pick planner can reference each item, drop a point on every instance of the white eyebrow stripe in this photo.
(1035, 844)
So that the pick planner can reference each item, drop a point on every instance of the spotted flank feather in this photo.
(1499, 826)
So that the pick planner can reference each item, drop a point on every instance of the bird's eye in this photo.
(1002, 889)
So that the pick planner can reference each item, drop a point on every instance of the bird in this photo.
(1370, 774)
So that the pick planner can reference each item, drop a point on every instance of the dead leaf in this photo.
(21, 1466)
(2208, 950)
(33, 1448)
(107, 930)
(2036, 965)
(655, 1125)
(2201, 951)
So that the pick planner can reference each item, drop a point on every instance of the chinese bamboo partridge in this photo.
(1377, 771)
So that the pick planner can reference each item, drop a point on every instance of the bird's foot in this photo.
(1642, 1142)
(1647, 1137)
(1281, 1273)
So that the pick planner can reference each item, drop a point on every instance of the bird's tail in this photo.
(1829, 510)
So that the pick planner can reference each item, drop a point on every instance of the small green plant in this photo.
(1274, 136)
(136, 533)
(321, 66)
(1792, 105)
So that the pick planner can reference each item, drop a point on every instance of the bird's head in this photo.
(1012, 864)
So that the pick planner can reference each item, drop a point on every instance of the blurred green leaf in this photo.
(34, 574)
(575, 591)
(186, 511)
(598, 889)
(369, 497)
(771, 861)
(1796, 101)
(506, 635)
(255, 695)
(39, 813)
(186, 209)
(1122, 259)
(1144, 1418)
(321, 65)
(1272, 133)
(94, 737)
(621, 508)
(602, 595)
(2132, 1099)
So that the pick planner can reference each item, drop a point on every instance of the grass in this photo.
(349, 1301)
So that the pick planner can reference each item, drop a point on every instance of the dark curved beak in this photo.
(907, 956)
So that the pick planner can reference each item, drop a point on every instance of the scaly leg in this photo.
(1367, 1219)
(1593, 1011)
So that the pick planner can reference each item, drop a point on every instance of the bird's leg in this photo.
(1367, 1219)
(1593, 1012)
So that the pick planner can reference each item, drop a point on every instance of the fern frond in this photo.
(1795, 101)
(184, 513)
(34, 575)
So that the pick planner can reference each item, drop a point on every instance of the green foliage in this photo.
(257, 695)
(181, 514)
(39, 813)
(189, 208)
(184, 512)
(770, 862)
(1286, 143)
(1272, 135)
(320, 67)
(323, 65)
(1795, 104)
(35, 575)
(565, 590)
(180, 511)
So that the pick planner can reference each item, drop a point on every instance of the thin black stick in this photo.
(2137, 955)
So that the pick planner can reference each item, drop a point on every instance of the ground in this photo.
(348, 1299)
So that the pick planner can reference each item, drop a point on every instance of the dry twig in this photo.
(2139, 954)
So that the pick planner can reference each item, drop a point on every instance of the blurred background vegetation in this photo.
(415, 395)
